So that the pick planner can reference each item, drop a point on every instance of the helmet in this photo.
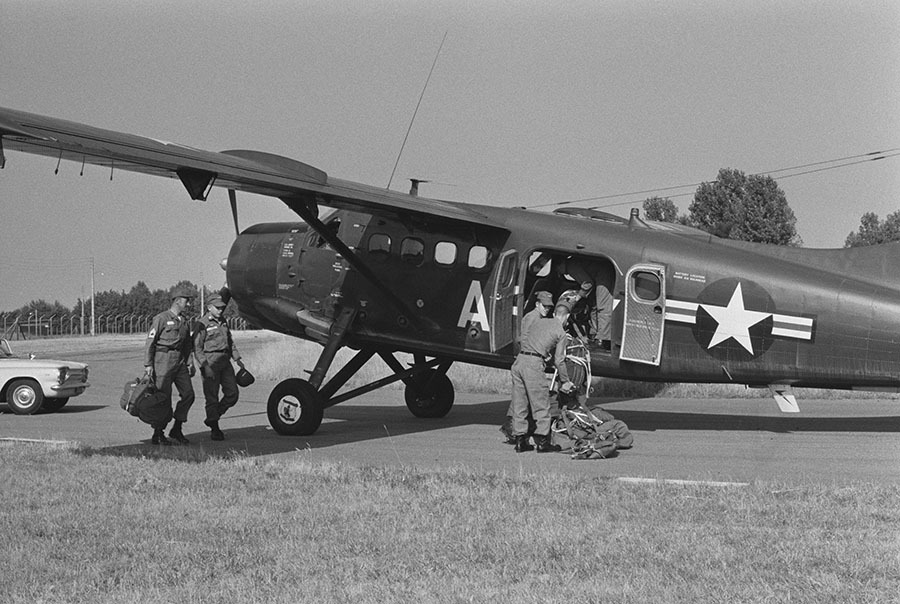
(244, 378)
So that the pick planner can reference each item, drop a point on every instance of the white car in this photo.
(28, 385)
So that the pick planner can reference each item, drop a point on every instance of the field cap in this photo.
(216, 301)
(183, 292)
(545, 298)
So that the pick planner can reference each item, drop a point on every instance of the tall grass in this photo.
(79, 526)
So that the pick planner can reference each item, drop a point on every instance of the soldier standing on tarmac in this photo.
(169, 360)
(529, 391)
(543, 305)
(214, 349)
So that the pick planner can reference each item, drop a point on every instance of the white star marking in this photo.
(734, 320)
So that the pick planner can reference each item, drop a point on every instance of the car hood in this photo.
(6, 363)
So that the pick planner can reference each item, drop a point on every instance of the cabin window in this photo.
(478, 256)
(379, 246)
(445, 252)
(412, 251)
(646, 286)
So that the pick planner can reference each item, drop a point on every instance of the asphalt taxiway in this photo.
(717, 440)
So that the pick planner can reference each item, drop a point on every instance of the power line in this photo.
(870, 156)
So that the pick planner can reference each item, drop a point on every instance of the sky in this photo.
(529, 103)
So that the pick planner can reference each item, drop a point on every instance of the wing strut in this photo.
(308, 212)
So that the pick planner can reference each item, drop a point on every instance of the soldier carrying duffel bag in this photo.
(144, 401)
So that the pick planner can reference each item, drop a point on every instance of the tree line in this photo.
(754, 208)
(139, 300)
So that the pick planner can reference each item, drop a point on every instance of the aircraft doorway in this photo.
(563, 274)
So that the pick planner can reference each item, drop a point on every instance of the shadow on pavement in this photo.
(359, 423)
(667, 420)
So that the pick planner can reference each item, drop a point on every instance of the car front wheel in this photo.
(24, 397)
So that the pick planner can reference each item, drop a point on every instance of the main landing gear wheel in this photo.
(435, 401)
(24, 397)
(295, 408)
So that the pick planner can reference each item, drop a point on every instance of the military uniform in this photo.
(546, 299)
(529, 384)
(602, 278)
(214, 349)
(168, 351)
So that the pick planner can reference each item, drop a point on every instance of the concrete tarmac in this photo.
(836, 442)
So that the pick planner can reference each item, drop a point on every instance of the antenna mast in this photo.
(424, 88)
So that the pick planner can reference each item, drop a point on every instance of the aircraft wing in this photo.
(240, 170)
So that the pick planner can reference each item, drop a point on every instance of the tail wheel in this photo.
(24, 397)
(433, 395)
(295, 408)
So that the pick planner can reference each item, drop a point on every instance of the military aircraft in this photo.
(386, 272)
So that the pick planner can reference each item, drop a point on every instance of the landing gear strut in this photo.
(296, 406)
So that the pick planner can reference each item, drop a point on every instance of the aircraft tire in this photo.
(436, 402)
(295, 408)
(52, 405)
(24, 397)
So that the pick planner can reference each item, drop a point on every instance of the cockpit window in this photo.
(333, 228)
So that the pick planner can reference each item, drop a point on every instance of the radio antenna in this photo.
(424, 88)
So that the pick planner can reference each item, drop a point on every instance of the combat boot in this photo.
(159, 438)
(177, 435)
(544, 445)
(214, 432)
(522, 444)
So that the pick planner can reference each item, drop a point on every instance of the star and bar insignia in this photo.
(738, 320)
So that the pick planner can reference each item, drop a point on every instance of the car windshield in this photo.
(5, 350)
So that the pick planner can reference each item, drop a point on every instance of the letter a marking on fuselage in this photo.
(479, 315)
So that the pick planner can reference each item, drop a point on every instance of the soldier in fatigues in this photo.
(214, 349)
(543, 304)
(529, 385)
(168, 360)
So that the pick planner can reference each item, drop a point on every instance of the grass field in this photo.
(79, 526)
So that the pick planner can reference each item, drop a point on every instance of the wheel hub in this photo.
(24, 396)
(289, 410)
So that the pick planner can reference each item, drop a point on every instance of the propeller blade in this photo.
(232, 197)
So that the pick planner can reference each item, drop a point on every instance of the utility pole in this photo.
(93, 316)
(81, 303)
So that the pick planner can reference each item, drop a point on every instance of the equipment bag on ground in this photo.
(590, 433)
(142, 400)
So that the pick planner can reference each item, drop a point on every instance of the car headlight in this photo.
(85, 373)
(63, 374)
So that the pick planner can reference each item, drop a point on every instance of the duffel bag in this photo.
(134, 391)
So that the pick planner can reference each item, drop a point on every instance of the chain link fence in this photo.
(32, 325)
